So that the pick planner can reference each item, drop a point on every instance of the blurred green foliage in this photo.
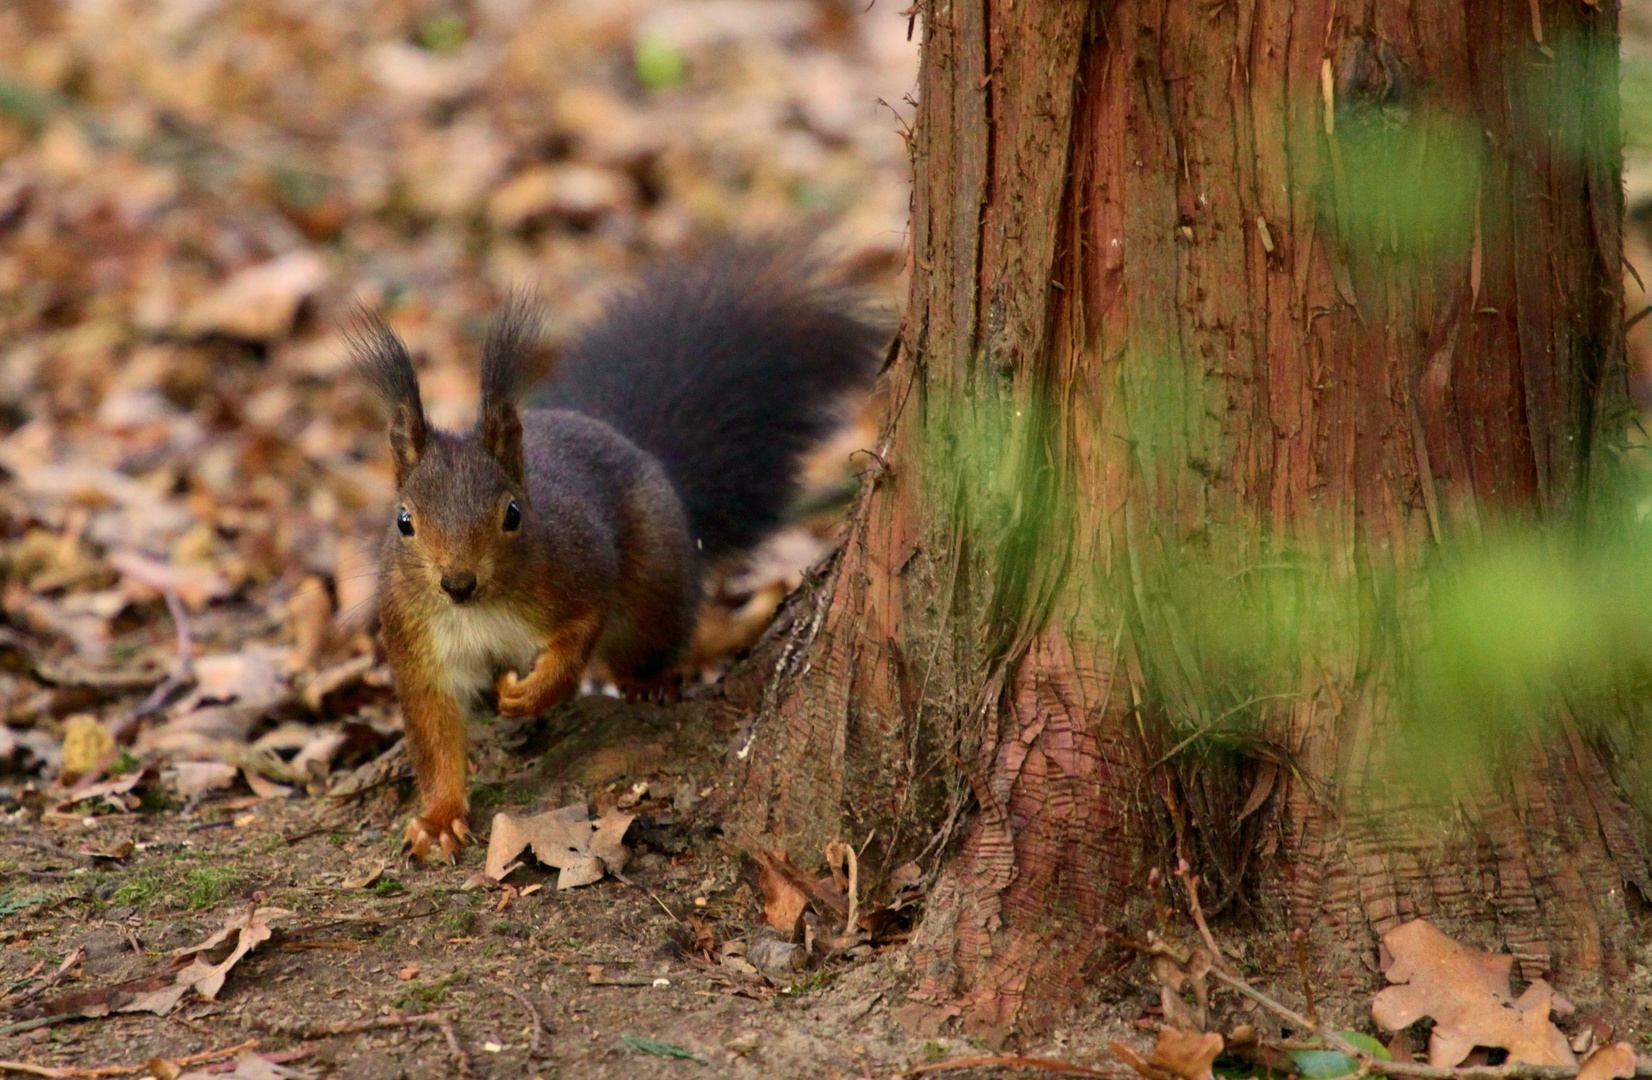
(1408, 187)
(1454, 662)
(1635, 103)
(659, 64)
(444, 33)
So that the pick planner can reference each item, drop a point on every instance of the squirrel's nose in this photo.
(458, 584)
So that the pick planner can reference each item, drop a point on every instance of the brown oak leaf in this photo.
(1466, 991)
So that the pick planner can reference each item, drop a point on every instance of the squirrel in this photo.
(668, 437)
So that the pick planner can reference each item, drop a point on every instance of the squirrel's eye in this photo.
(513, 518)
(404, 522)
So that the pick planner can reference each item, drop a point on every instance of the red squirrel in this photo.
(579, 528)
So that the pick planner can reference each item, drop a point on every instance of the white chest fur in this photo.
(474, 644)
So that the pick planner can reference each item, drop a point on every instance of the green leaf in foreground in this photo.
(663, 1049)
(1368, 1044)
(1324, 1064)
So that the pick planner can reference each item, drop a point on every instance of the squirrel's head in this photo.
(462, 500)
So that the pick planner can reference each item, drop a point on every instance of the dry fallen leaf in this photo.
(258, 303)
(1173, 979)
(249, 1066)
(248, 929)
(253, 676)
(1178, 1055)
(189, 778)
(1613, 1062)
(783, 902)
(119, 786)
(1466, 991)
(366, 879)
(1186, 1054)
(196, 585)
(583, 850)
(309, 615)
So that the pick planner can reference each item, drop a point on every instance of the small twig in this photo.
(347, 1027)
(663, 908)
(1331, 1038)
(182, 671)
(76, 1072)
(533, 1014)
(1155, 882)
(1191, 880)
(1629, 323)
(1299, 938)
(1041, 1064)
(461, 1060)
(850, 920)
(305, 835)
(51, 980)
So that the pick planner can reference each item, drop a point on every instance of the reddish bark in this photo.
(1136, 233)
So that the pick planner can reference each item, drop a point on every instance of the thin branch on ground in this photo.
(79, 1072)
(348, 1027)
(182, 672)
(1049, 1065)
(1191, 880)
(461, 1060)
(74, 957)
(1299, 940)
(533, 1015)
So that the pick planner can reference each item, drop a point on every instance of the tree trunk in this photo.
(1197, 289)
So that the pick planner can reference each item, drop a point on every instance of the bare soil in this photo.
(416, 942)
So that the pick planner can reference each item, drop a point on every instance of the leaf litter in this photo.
(194, 971)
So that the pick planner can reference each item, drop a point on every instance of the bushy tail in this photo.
(727, 369)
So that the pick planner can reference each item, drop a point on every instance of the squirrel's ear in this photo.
(382, 359)
(501, 432)
(504, 355)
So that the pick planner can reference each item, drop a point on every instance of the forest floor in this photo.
(193, 196)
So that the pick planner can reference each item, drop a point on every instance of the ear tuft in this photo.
(380, 357)
(505, 356)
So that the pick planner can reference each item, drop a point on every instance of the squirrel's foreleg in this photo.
(556, 671)
(435, 725)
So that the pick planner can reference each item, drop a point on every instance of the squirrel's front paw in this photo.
(516, 701)
(442, 826)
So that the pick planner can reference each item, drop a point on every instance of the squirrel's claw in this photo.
(430, 829)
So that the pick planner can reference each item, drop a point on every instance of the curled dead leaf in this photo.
(783, 902)
(366, 879)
